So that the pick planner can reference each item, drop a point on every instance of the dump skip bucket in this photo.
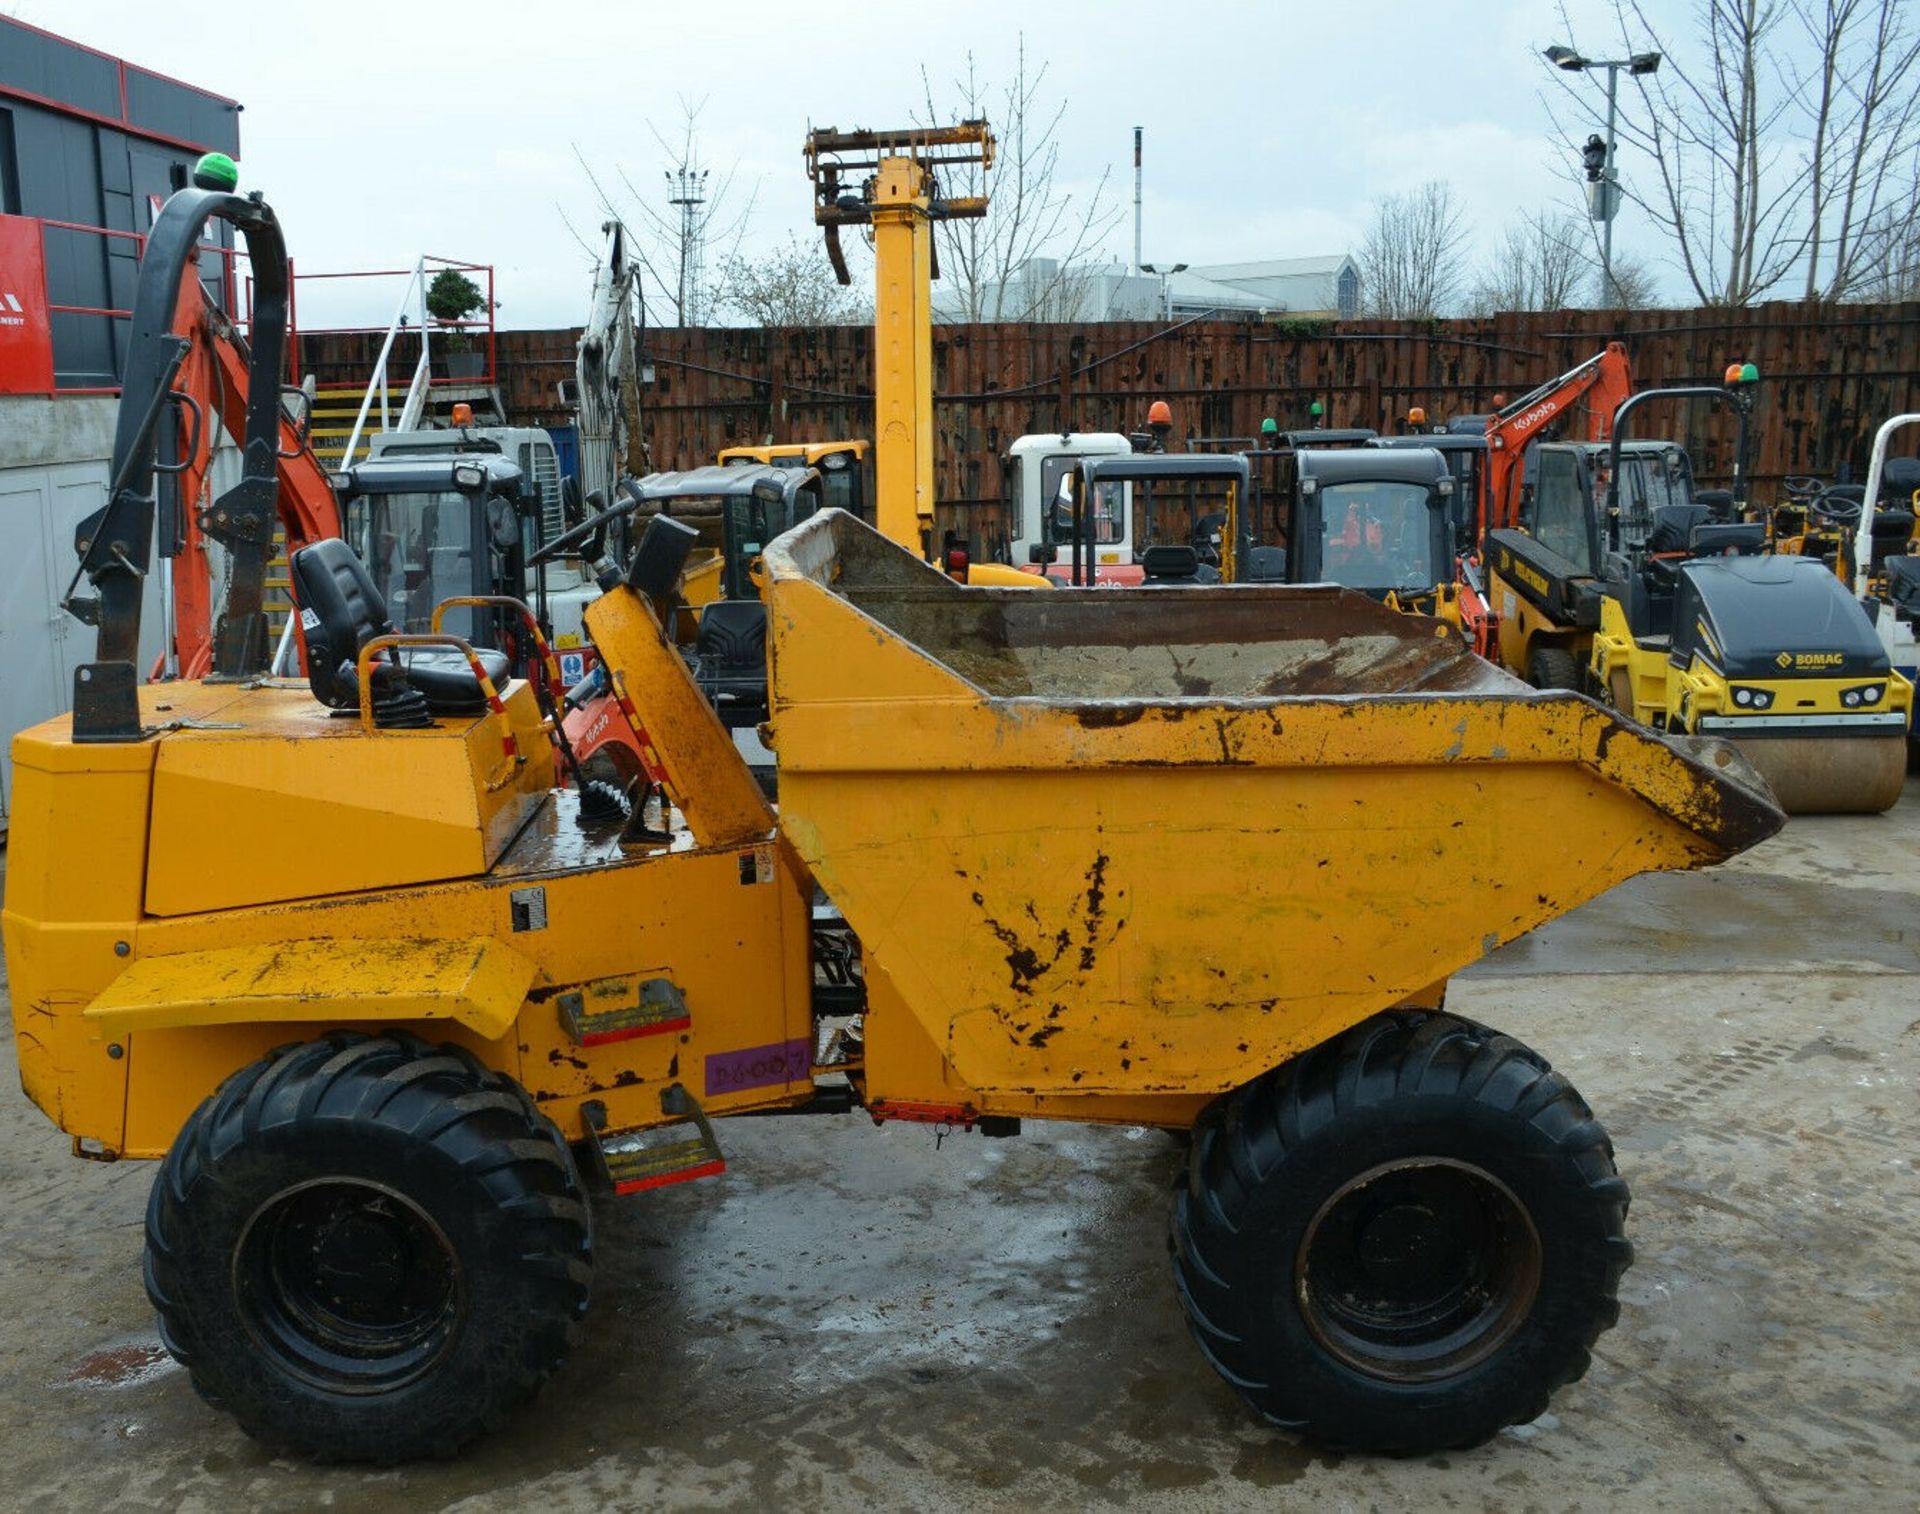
(1158, 840)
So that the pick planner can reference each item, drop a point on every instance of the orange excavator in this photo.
(1499, 586)
(213, 380)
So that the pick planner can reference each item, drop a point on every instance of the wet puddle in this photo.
(1722, 922)
(124, 1366)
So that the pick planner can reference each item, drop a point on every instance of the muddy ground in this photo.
(858, 1318)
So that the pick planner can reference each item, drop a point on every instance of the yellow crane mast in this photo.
(889, 180)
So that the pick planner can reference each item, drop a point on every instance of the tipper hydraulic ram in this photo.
(393, 1012)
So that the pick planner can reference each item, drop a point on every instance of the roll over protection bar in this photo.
(115, 543)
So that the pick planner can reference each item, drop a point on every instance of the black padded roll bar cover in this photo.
(656, 565)
(1741, 536)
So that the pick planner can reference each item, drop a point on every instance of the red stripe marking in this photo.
(633, 1032)
(685, 1175)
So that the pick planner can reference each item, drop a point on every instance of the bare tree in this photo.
(1066, 295)
(791, 285)
(1775, 149)
(1410, 262)
(694, 223)
(1897, 274)
(1539, 264)
(1635, 285)
(1865, 126)
(1030, 216)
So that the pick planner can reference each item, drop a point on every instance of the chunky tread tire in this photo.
(464, 1144)
(1402, 1085)
(1553, 668)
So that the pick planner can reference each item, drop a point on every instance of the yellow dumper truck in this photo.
(394, 1014)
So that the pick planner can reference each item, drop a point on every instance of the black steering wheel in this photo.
(1801, 488)
(1835, 508)
(587, 528)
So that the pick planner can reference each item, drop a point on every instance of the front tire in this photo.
(1404, 1240)
(1553, 668)
(367, 1249)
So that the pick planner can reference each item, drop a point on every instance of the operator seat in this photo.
(1893, 518)
(1903, 587)
(1266, 565)
(730, 659)
(1172, 563)
(1674, 525)
(341, 611)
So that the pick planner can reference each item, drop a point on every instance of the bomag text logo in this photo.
(1805, 662)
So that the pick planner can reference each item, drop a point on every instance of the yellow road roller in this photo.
(1701, 630)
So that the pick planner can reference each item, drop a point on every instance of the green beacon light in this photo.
(1742, 373)
(1269, 427)
(1316, 410)
(216, 171)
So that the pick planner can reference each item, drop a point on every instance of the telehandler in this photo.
(845, 468)
(340, 954)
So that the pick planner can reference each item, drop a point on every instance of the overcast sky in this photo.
(452, 128)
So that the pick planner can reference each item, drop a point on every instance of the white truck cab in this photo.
(567, 583)
(1035, 467)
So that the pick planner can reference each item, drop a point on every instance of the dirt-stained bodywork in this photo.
(1119, 845)
(1109, 855)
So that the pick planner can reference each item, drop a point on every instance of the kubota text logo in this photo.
(1538, 413)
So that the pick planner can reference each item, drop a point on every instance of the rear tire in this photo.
(1553, 668)
(367, 1249)
(1404, 1240)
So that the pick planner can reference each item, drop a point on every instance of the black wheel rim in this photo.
(348, 1285)
(1418, 1270)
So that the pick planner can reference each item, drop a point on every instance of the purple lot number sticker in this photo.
(758, 1066)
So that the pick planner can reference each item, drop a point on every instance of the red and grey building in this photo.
(90, 145)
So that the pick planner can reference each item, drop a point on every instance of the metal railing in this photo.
(411, 322)
(413, 299)
(227, 286)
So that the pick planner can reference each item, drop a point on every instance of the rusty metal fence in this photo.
(1831, 375)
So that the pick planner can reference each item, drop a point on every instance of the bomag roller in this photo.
(395, 1019)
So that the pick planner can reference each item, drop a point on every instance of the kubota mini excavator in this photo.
(1505, 607)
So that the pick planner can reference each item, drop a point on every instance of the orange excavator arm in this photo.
(214, 376)
(1603, 381)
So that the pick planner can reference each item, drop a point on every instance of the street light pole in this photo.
(1612, 195)
(1165, 273)
(1609, 176)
